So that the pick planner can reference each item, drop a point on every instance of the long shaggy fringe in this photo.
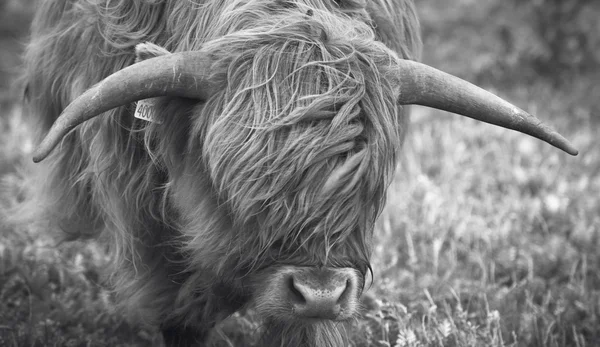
(302, 107)
(289, 162)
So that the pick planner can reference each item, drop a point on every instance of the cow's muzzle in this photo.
(311, 293)
(320, 293)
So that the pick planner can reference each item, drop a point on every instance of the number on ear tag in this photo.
(145, 110)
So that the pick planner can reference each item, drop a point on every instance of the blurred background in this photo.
(490, 238)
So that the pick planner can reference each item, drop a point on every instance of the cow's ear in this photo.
(148, 50)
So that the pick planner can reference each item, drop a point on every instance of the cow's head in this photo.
(279, 140)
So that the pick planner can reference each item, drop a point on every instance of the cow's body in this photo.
(279, 136)
(185, 229)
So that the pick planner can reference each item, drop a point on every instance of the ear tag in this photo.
(145, 110)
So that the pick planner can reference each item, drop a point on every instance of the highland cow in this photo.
(277, 126)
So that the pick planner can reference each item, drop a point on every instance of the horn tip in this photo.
(567, 146)
(572, 151)
(38, 156)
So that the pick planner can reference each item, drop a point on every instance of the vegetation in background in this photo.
(490, 238)
(565, 31)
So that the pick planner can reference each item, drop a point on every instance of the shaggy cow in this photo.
(276, 131)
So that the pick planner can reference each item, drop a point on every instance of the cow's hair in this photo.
(222, 189)
(324, 334)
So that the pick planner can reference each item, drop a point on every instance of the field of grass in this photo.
(490, 238)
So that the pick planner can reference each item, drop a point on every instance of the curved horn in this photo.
(182, 74)
(423, 85)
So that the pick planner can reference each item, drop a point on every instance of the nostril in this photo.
(345, 292)
(295, 293)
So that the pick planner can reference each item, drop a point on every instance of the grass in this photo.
(490, 238)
